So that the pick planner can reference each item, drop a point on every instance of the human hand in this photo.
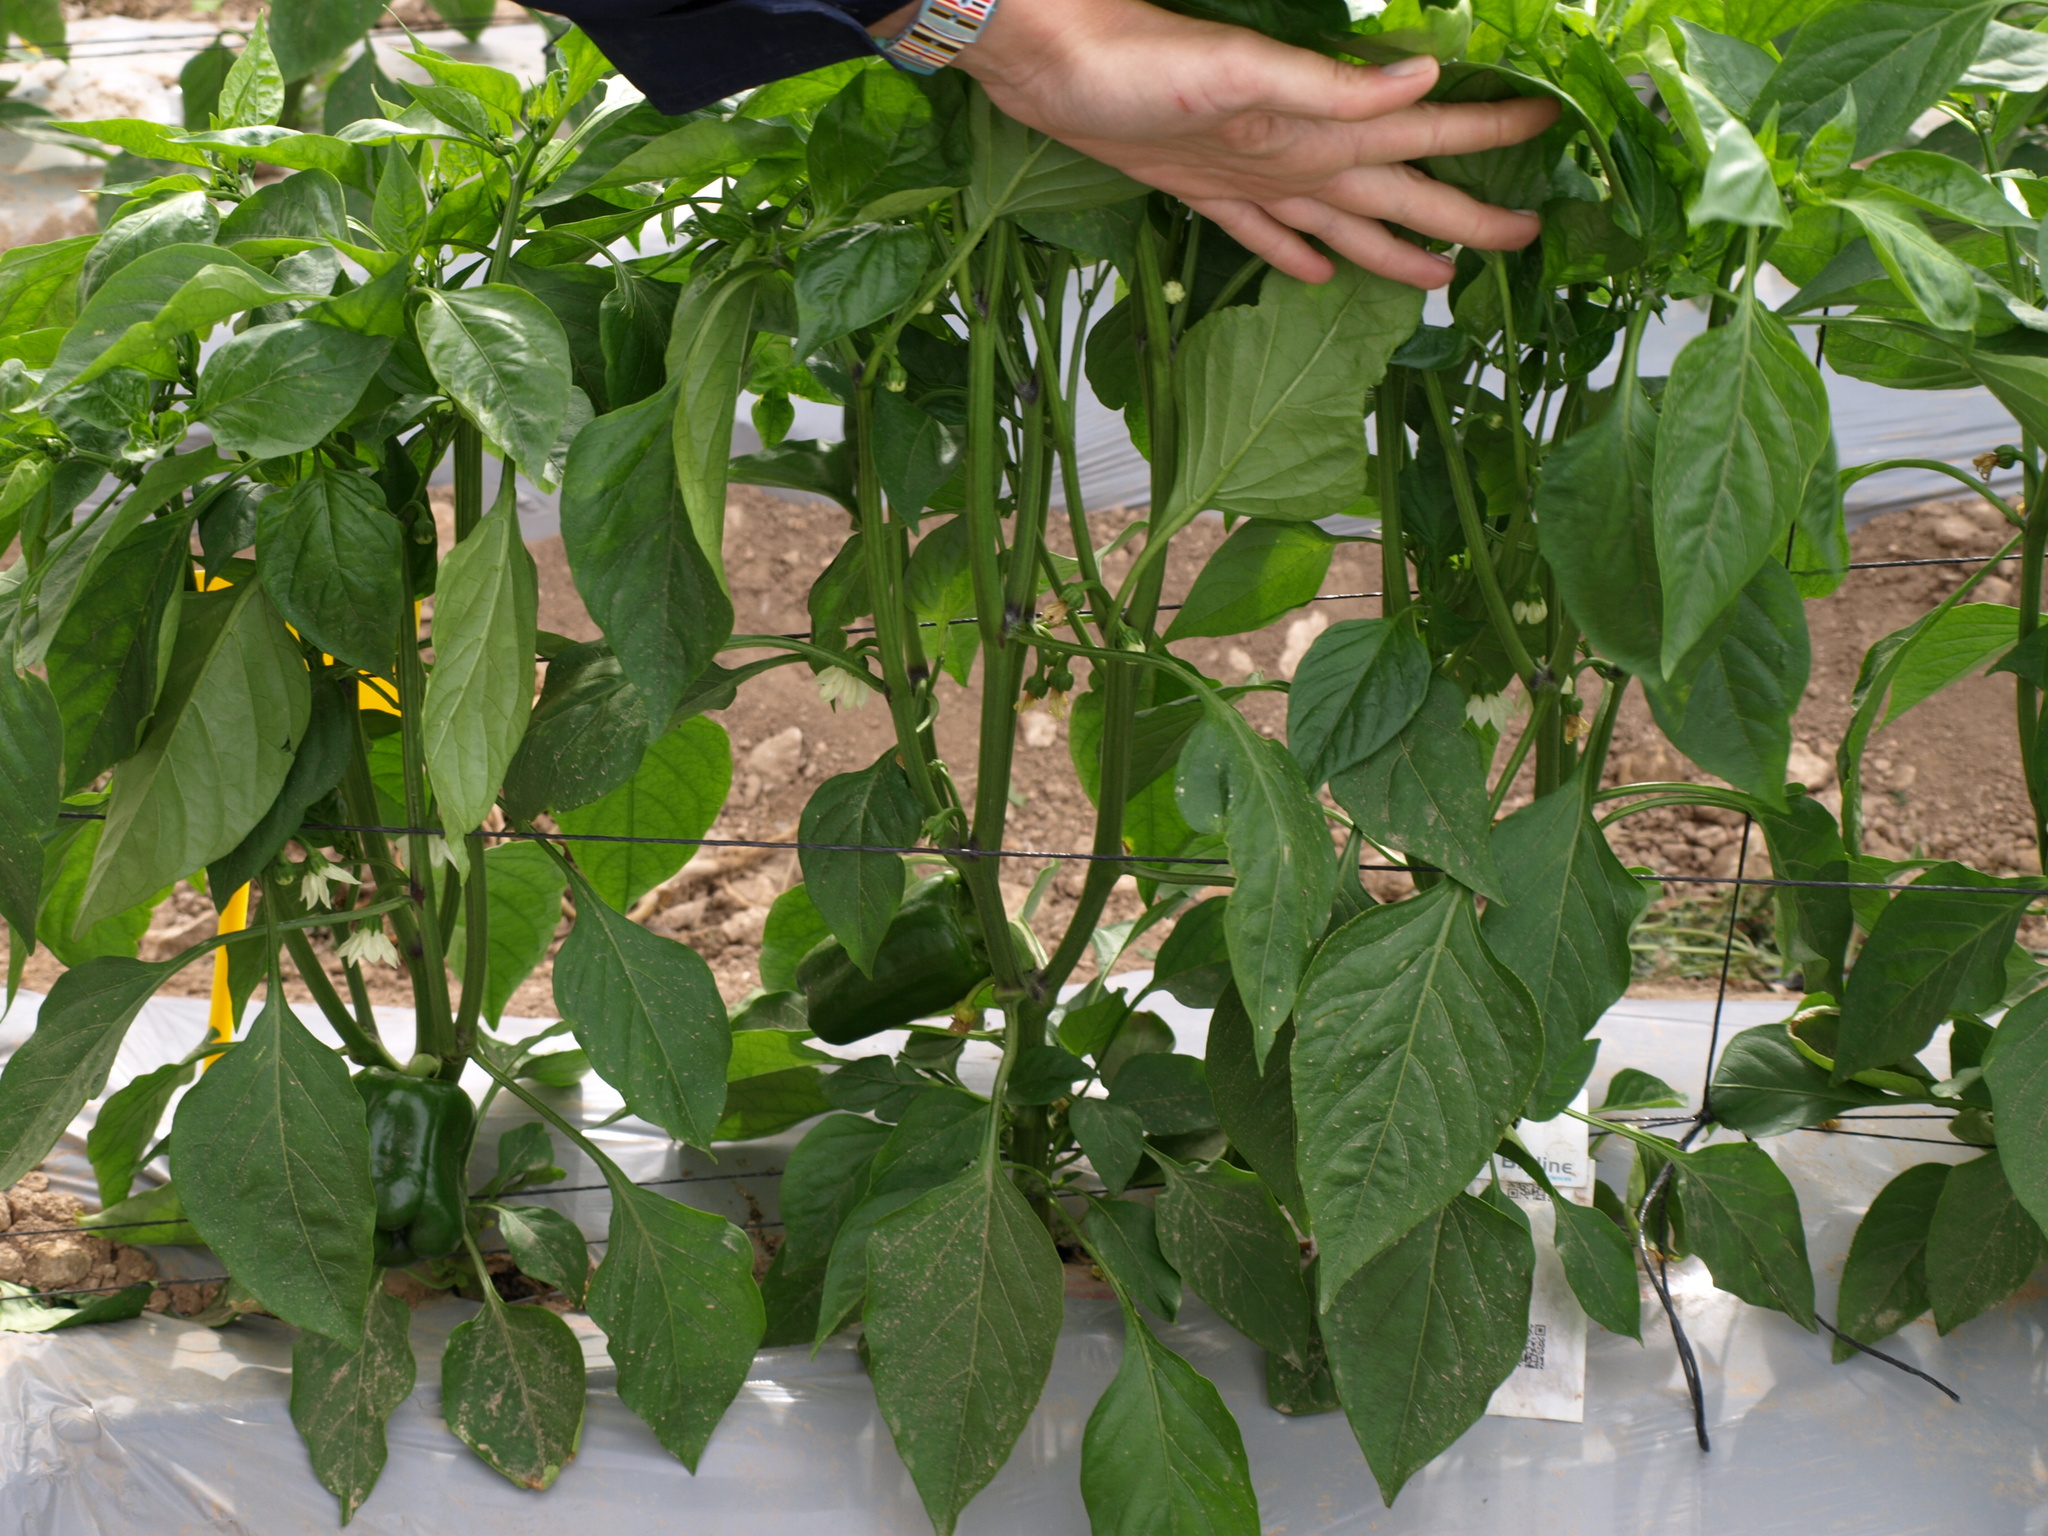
(1271, 142)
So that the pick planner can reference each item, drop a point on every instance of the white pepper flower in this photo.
(840, 688)
(369, 946)
(319, 877)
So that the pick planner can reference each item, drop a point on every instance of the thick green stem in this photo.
(1475, 543)
(1390, 433)
(2027, 698)
(436, 1022)
(388, 880)
(1594, 762)
(363, 1046)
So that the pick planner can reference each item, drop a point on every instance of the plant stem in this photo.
(1390, 437)
(1475, 541)
(436, 1024)
(359, 793)
(2027, 698)
(364, 1047)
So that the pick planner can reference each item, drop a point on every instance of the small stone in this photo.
(776, 760)
(1301, 634)
(1806, 766)
(1040, 730)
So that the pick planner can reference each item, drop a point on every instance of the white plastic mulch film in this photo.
(166, 1427)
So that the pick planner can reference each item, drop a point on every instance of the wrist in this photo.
(1025, 37)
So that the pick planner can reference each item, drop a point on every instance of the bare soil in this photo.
(1943, 781)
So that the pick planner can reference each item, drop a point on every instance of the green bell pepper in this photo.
(419, 1149)
(931, 957)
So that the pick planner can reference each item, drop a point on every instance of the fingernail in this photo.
(1401, 69)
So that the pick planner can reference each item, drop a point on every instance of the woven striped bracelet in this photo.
(941, 30)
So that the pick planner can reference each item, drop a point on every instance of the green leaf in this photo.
(690, 156)
(187, 218)
(853, 277)
(1415, 1050)
(39, 283)
(1941, 285)
(677, 792)
(1161, 1451)
(344, 1391)
(823, 1179)
(1256, 1108)
(1015, 170)
(1884, 1280)
(707, 357)
(1740, 1216)
(675, 1296)
(105, 661)
(328, 553)
(1895, 57)
(480, 690)
(1218, 1226)
(1261, 571)
(966, 1273)
(586, 736)
(1981, 1245)
(1563, 924)
(523, 888)
(639, 566)
(254, 89)
(1814, 922)
(512, 1387)
(1232, 780)
(1600, 1265)
(126, 1127)
(794, 929)
(322, 761)
(31, 769)
(1729, 704)
(1169, 1092)
(1361, 682)
(1744, 420)
(886, 132)
(157, 298)
(501, 355)
(67, 866)
(1111, 1137)
(1422, 1335)
(279, 389)
(1424, 791)
(1596, 531)
(307, 206)
(1957, 643)
(1271, 395)
(1764, 1086)
(274, 1166)
(857, 894)
(2016, 1071)
(1930, 953)
(1125, 1236)
(305, 35)
(23, 1311)
(915, 452)
(65, 1062)
(234, 704)
(649, 1014)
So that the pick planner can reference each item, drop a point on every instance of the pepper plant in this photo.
(218, 670)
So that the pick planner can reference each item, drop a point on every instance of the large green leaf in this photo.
(1596, 531)
(707, 354)
(2016, 1070)
(1422, 1335)
(1742, 1218)
(500, 354)
(1271, 395)
(858, 893)
(677, 792)
(1930, 953)
(887, 134)
(1016, 170)
(1416, 1048)
(1959, 641)
(1895, 57)
(1884, 1279)
(639, 566)
(1815, 921)
(1765, 1086)
(523, 888)
(67, 867)
(480, 691)
(104, 661)
(234, 704)
(39, 284)
(305, 34)
(1941, 284)
(1219, 1227)
(1161, 1451)
(1261, 571)
(1981, 1245)
(185, 218)
(279, 389)
(31, 769)
(1562, 924)
(65, 1062)
(823, 1179)
(586, 736)
(1729, 704)
(1361, 681)
(343, 1391)
(322, 760)
(649, 1014)
(512, 1389)
(1424, 791)
(308, 206)
(1125, 1237)
(1256, 1108)
(273, 1163)
(328, 553)
(853, 277)
(963, 1313)
(675, 1296)
(1744, 420)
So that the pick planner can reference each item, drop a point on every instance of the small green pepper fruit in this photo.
(419, 1146)
(931, 957)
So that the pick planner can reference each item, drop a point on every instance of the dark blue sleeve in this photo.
(686, 53)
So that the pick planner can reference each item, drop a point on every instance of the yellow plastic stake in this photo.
(220, 1020)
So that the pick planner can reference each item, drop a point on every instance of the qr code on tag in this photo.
(1532, 1352)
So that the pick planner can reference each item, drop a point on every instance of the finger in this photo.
(1448, 128)
(1263, 235)
(1265, 76)
(1364, 241)
(1404, 195)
